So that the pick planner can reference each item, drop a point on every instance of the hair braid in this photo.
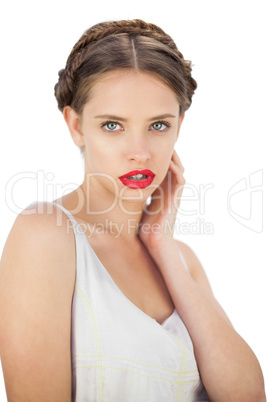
(131, 27)
(66, 86)
(104, 29)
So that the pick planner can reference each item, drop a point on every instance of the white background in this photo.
(222, 140)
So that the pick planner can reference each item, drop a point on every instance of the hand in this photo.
(159, 217)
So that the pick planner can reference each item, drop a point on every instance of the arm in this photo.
(228, 367)
(198, 275)
(36, 286)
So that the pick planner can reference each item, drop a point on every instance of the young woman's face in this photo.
(130, 123)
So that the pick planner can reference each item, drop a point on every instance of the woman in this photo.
(99, 268)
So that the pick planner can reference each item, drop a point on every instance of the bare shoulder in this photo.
(47, 219)
(45, 233)
(195, 267)
(40, 247)
(198, 274)
(37, 275)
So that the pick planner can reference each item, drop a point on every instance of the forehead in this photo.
(131, 88)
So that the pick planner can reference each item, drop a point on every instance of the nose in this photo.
(138, 150)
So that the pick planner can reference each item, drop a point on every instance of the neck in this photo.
(105, 214)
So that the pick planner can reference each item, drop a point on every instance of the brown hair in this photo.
(125, 44)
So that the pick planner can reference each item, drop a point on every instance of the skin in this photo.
(133, 144)
(228, 367)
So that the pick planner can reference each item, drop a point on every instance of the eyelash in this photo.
(166, 123)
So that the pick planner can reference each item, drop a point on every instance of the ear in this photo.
(73, 122)
(180, 122)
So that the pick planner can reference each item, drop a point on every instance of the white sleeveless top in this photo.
(119, 353)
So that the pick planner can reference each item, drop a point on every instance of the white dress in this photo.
(119, 353)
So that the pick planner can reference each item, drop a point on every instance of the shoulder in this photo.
(37, 275)
(41, 239)
(198, 274)
(45, 219)
(43, 225)
(189, 256)
(195, 267)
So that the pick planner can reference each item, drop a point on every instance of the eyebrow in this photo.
(113, 117)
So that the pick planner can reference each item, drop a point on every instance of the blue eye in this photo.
(161, 125)
(110, 125)
(157, 126)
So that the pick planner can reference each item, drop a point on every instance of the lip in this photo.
(143, 183)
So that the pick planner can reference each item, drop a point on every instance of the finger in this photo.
(178, 172)
(178, 169)
(177, 161)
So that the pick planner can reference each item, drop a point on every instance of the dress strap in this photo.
(183, 261)
(78, 229)
(75, 224)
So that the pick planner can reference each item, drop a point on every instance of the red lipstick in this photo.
(137, 178)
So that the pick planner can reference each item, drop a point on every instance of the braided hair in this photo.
(124, 44)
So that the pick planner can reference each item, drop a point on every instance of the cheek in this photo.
(164, 162)
(101, 156)
(94, 147)
(163, 152)
(162, 168)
